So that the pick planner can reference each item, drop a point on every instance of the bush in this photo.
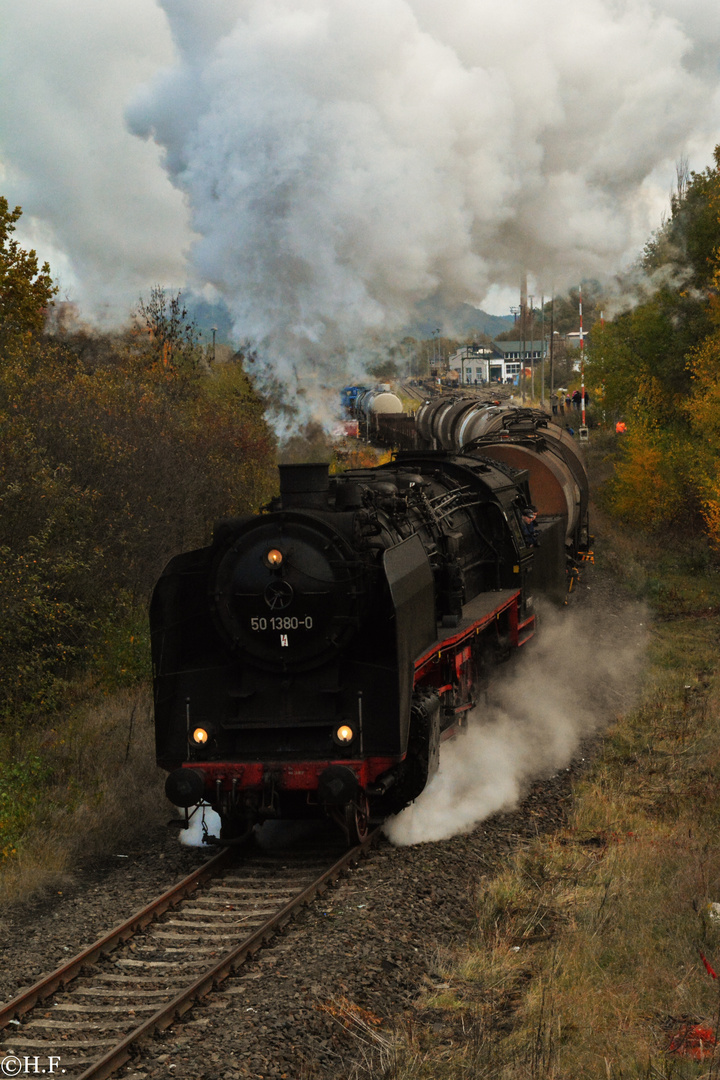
(107, 470)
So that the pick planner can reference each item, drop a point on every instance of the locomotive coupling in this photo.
(185, 787)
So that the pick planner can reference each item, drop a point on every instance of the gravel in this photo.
(39, 936)
(370, 941)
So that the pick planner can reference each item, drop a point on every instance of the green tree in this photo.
(26, 291)
(671, 288)
(564, 311)
(650, 342)
(656, 366)
(687, 241)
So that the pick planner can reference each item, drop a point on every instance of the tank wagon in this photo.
(524, 438)
(378, 402)
(310, 660)
(372, 406)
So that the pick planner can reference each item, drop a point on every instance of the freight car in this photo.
(348, 398)
(373, 405)
(312, 658)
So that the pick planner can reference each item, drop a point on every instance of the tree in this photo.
(173, 336)
(384, 371)
(649, 342)
(686, 242)
(672, 287)
(658, 364)
(565, 310)
(105, 473)
(26, 292)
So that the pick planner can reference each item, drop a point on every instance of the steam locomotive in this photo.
(311, 659)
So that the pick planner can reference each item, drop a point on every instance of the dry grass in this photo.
(103, 787)
(587, 955)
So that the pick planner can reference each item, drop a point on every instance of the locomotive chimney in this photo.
(304, 486)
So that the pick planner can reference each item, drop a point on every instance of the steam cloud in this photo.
(96, 201)
(344, 161)
(582, 670)
(337, 161)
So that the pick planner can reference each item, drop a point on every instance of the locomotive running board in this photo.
(478, 615)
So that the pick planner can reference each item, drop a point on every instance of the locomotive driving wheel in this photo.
(356, 815)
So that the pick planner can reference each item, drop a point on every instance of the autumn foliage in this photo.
(111, 461)
(657, 367)
(26, 290)
(703, 414)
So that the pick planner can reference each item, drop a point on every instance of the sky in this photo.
(324, 165)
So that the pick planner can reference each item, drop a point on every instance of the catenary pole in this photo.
(552, 342)
(542, 351)
(582, 361)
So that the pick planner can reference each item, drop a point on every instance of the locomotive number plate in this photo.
(280, 622)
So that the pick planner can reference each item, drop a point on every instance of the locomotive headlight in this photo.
(343, 735)
(199, 736)
(274, 557)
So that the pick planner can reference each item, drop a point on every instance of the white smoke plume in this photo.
(96, 201)
(343, 161)
(582, 671)
(337, 161)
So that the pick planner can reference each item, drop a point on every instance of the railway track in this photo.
(464, 390)
(83, 1019)
(417, 393)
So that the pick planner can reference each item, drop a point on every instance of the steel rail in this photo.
(212, 977)
(412, 391)
(69, 971)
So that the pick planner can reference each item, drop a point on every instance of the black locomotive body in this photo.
(312, 658)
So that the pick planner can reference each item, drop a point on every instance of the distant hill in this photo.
(457, 322)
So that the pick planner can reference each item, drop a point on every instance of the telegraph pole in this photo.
(552, 345)
(523, 331)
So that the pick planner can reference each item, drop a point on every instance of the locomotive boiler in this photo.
(312, 658)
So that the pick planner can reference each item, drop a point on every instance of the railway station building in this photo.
(499, 361)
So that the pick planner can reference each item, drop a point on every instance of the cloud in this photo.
(345, 161)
